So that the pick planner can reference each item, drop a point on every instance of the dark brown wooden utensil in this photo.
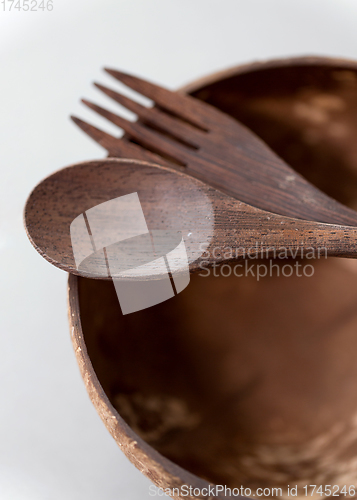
(200, 140)
(209, 221)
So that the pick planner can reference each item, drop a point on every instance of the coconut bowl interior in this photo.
(239, 381)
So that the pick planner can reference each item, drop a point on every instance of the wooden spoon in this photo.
(214, 227)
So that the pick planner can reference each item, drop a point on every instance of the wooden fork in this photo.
(189, 135)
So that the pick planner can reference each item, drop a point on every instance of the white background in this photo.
(53, 446)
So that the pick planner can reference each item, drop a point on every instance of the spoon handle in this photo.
(247, 230)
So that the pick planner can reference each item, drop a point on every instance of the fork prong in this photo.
(149, 138)
(200, 114)
(112, 117)
(119, 148)
(173, 126)
(103, 138)
(128, 103)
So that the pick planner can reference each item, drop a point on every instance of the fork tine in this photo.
(145, 136)
(202, 115)
(173, 126)
(106, 140)
(119, 147)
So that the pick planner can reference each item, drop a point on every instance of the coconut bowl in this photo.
(238, 381)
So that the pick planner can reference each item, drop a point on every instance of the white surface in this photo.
(53, 445)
